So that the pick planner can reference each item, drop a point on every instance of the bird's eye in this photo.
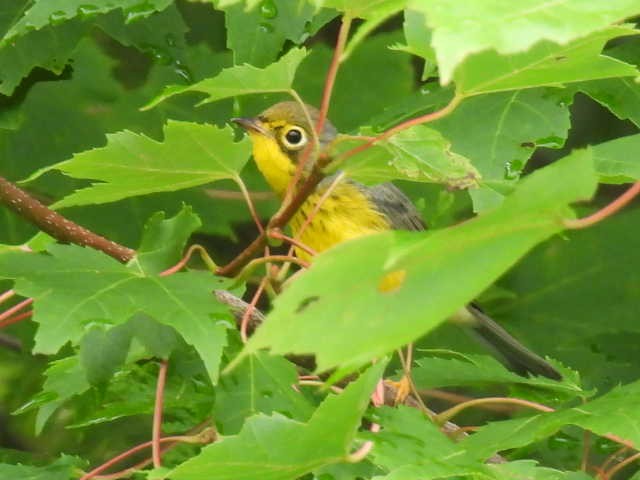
(294, 138)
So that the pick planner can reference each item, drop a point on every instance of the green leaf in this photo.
(462, 29)
(411, 446)
(242, 80)
(608, 414)
(414, 275)
(64, 468)
(262, 384)
(613, 160)
(500, 132)
(49, 48)
(483, 370)
(65, 379)
(164, 240)
(418, 38)
(417, 154)
(74, 287)
(256, 35)
(132, 164)
(103, 351)
(620, 95)
(546, 63)
(564, 287)
(280, 448)
(53, 12)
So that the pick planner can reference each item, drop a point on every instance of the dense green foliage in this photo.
(116, 113)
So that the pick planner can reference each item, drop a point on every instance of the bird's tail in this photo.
(517, 357)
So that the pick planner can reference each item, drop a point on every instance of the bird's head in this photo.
(279, 136)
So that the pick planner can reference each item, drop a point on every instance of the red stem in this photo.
(278, 235)
(128, 453)
(157, 415)
(607, 211)
(429, 117)
(332, 73)
(7, 295)
(16, 319)
(246, 316)
(16, 308)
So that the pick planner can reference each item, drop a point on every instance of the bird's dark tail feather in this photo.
(518, 357)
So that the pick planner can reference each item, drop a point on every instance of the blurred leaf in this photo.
(284, 448)
(410, 445)
(615, 162)
(65, 379)
(103, 351)
(74, 287)
(418, 40)
(506, 27)
(565, 287)
(500, 132)
(608, 414)
(62, 469)
(49, 48)
(418, 154)
(257, 34)
(620, 95)
(365, 8)
(262, 384)
(241, 80)
(483, 370)
(546, 63)
(53, 12)
(132, 164)
(164, 240)
(344, 287)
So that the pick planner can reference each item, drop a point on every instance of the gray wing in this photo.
(396, 206)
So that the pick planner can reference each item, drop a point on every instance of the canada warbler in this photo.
(279, 135)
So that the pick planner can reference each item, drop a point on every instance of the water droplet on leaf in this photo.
(57, 17)
(265, 27)
(87, 11)
(183, 71)
(268, 9)
(138, 12)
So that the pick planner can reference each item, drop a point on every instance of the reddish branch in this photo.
(157, 414)
(56, 225)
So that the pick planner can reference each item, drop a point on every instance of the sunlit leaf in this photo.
(506, 27)
(131, 164)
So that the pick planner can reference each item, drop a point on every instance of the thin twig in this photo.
(586, 447)
(605, 212)
(16, 308)
(447, 415)
(627, 461)
(246, 317)
(233, 195)
(204, 255)
(16, 319)
(249, 202)
(429, 117)
(157, 414)
(278, 235)
(7, 295)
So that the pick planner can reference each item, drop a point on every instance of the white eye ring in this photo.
(294, 138)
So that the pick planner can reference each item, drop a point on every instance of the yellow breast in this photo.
(345, 214)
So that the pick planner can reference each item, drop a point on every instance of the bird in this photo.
(279, 136)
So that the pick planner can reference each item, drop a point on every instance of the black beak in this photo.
(251, 124)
